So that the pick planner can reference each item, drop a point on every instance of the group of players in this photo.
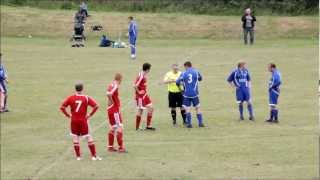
(183, 93)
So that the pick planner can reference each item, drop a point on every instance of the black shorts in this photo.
(175, 99)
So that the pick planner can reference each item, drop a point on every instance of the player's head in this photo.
(187, 64)
(241, 64)
(78, 87)
(271, 67)
(130, 18)
(146, 67)
(175, 67)
(247, 11)
(118, 77)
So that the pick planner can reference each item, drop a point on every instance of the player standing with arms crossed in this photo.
(240, 80)
(132, 34)
(114, 115)
(190, 79)
(175, 93)
(142, 99)
(274, 92)
(79, 104)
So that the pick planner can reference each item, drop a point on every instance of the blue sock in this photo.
(276, 114)
(250, 109)
(133, 50)
(272, 114)
(241, 109)
(199, 117)
(189, 118)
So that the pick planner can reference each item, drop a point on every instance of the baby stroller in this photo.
(78, 37)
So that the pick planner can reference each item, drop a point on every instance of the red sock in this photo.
(110, 139)
(138, 119)
(92, 148)
(149, 118)
(120, 140)
(76, 147)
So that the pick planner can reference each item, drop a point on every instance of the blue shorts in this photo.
(273, 97)
(242, 94)
(187, 102)
(3, 87)
(132, 40)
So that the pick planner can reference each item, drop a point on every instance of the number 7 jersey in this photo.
(79, 106)
(190, 81)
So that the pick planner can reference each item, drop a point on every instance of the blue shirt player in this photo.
(3, 87)
(190, 80)
(274, 92)
(240, 79)
(132, 34)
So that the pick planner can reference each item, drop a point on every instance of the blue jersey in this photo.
(190, 80)
(133, 29)
(240, 78)
(3, 73)
(275, 80)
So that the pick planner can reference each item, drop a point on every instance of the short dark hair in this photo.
(273, 65)
(146, 66)
(130, 17)
(187, 64)
(78, 87)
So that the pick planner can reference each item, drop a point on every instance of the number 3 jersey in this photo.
(78, 106)
(190, 80)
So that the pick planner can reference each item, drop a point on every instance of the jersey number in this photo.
(78, 105)
(189, 78)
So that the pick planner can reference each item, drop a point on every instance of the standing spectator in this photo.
(3, 87)
(84, 8)
(248, 26)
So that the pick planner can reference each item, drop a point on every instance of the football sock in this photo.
(138, 119)
(174, 116)
(271, 114)
(183, 114)
(241, 109)
(276, 114)
(92, 148)
(76, 147)
(189, 118)
(133, 50)
(250, 109)
(120, 139)
(149, 118)
(110, 138)
(199, 117)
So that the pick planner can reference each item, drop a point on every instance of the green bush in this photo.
(67, 5)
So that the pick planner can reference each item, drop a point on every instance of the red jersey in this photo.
(113, 91)
(141, 83)
(79, 105)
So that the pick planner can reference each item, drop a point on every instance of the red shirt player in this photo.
(142, 98)
(114, 115)
(79, 104)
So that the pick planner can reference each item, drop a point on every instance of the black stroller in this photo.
(78, 37)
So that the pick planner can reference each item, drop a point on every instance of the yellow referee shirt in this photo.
(172, 87)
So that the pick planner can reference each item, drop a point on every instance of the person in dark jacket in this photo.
(248, 21)
(105, 42)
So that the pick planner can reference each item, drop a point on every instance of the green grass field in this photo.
(34, 135)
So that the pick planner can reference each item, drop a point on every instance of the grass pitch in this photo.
(34, 135)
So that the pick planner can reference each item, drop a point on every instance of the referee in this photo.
(175, 93)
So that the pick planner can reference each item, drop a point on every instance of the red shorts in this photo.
(143, 101)
(79, 128)
(114, 116)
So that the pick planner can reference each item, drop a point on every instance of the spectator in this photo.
(84, 8)
(80, 17)
(3, 87)
(105, 42)
(248, 26)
